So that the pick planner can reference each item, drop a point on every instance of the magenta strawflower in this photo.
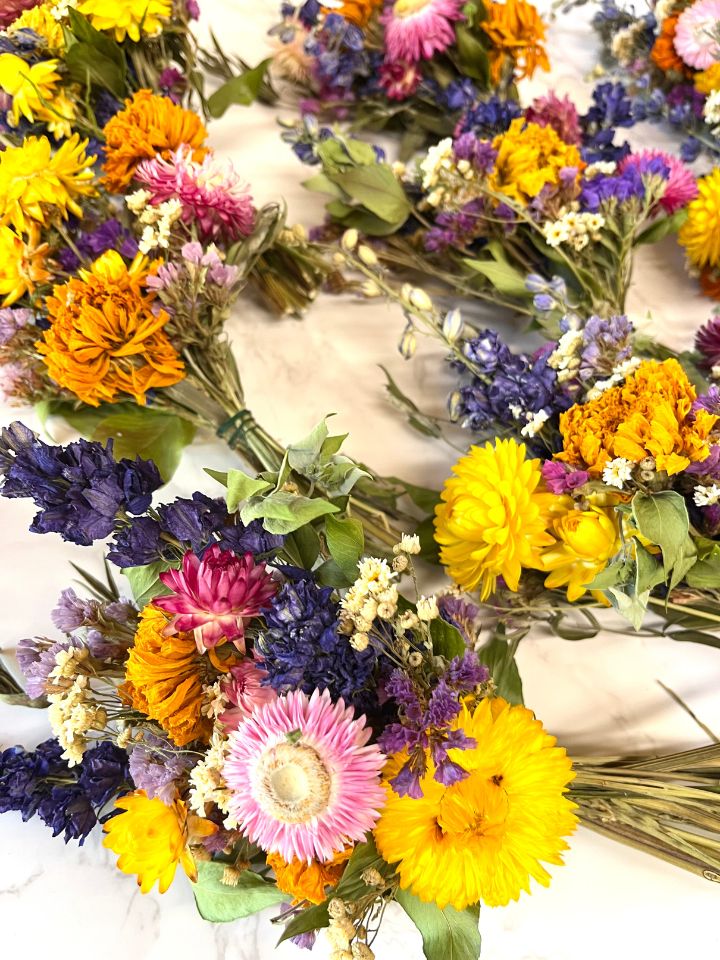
(303, 780)
(559, 113)
(696, 34)
(399, 80)
(212, 195)
(216, 596)
(681, 184)
(418, 29)
(10, 10)
(707, 342)
(246, 690)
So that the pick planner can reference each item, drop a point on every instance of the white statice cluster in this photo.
(374, 594)
(620, 373)
(574, 228)
(447, 181)
(617, 472)
(565, 358)
(707, 496)
(711, 111)
(535, 422)
(60, 11)
(624, 45)
(207, 784)
(157, 220)
(214, 700)
(73, 712)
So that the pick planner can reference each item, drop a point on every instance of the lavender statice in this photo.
(156, 766)
(607, 342)
(303, 649)
(105, 627)
(37, 659)
(462, 614)
(611, 108)
(80, 488)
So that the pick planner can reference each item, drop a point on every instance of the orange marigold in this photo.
(307, 881)
(663, 54)
(164, 678)
(150, 125)
(647, 416)
(104, 340)
(516, 32)
(356, 11)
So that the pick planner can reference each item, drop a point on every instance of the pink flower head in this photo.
(303, 780)
(696, 34)
(399, 80)
(681, 185)
(559, 113)
(417, 29)
(215, 596)
(211, 193)
(245, 690)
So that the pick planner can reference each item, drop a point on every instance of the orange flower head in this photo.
(647, 416)
(104, 341)
(164, 678)
(710, 283)
(663, 54)
(307, 881)
(516, 32)
(356, 11)
(150, 125)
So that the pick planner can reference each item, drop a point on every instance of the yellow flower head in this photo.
(151, 838)
(647, 416)
(40, 20)
(707, 81)
(700, 234)
(164, 678)
(491, 522)
(148, 126)
(127, 18)
(22, 264)
(516, 32)
(585, 542)
(308, 881)
(30, 86)
(35, 182)
(356, 11)
(484, 837)
(529, 157)
(104, 341)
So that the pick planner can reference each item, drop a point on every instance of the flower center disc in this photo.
(406, 8)
(293, 782)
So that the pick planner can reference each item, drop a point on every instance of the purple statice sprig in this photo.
(423, 729)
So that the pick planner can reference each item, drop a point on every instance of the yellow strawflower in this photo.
(585, 542)
(707, 81)
(41, 21)
(151, 838)
(127, 18)
(29, 86)
(528, 158)
(36, 183)
(22, 264)
(700, 234)
(491, 522)
(59, 118)
(483, 837)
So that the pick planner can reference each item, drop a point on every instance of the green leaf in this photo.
(447, 934)
(306, 544)
(472, 56)
(614, 573)
(504, 278)
(243, 90)
(377, 189)
(304, 454)
(648, 571)
(447, 640)
(662, 518)
(86, 63)
(283, 512)
(312, 918)
(346, 542)
(497, 657)
(145, 581)
(150, 434)
(220, 903)
(321, 183)
(631, 605)
(705, 574)
(241, 486)
(663, 227)
(329, 574)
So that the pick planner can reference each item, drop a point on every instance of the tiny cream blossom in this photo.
(407, 620)
(400, 563)
(555, 233)
(137, 201)
(711, 109)
(516, 411)
(427, 608)
(359, 641)
(207, 784)
(604, 167)
(617, 472)
(707, 496)
(439, 157)
(409, 543)
(215, 701)
(535, 423)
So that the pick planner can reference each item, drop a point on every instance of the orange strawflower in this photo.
(149, 126)
(516, 32)
(710, 283)
(663, 54)
(105, 342)
(164, 678)
(307, 881)
(356, 11)
(647, 416)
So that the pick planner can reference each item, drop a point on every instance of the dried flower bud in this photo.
(370, 289)
(359, 642)
(230, 876)
(372, 877)
(408, 343)
(349, 240)
(367, 255)
(400, 563)
(452, 325)
(420, 300)
(415, 659)
(336, 908)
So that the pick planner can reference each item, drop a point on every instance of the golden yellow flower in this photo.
(516, 32)
(700, 234)
(59, 118)
(30, 85)
(151, 838)
(104, 341)
(529, 157)
(22, 264)
(707, 81)
(647, 416)
(148, 126)
(356, 11)
(127, 18)
(491, 522)
(585, 542)
(484, 837)
(307, 881)
(164, 678)
(35, 182)
(40, 20)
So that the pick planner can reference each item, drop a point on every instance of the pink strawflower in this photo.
(10, 10)
(696, 34)
(215, 596)
(681, 185)
(245, 690)
(399, 80)
(303, 780)
(211, 193)
(558, 113)
(417, 29)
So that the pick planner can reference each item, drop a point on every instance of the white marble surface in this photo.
(598, 696)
